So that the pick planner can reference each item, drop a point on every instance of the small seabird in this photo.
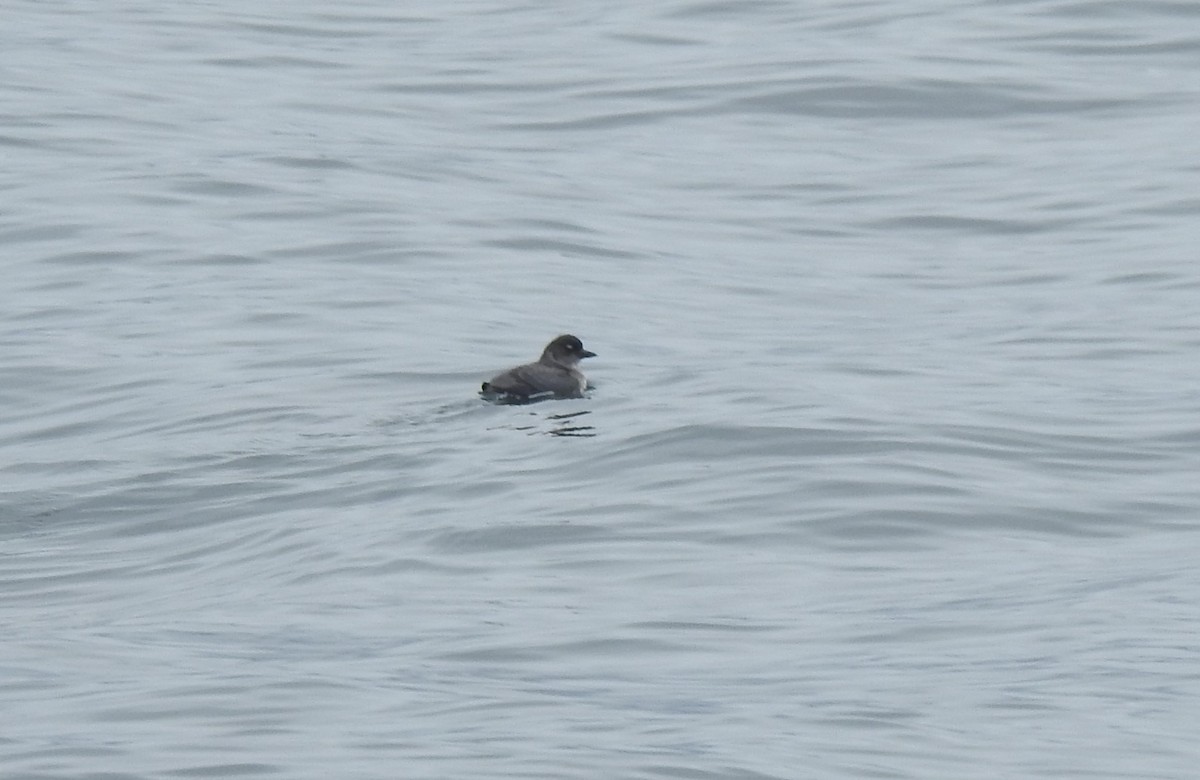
(554, 373)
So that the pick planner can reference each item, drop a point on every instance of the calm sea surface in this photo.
(892, 464)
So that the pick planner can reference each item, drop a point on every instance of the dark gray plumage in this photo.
(555, 373)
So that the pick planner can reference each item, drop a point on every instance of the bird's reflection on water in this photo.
(566, 426)
(560, 425)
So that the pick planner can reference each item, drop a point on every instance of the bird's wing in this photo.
(532, 379)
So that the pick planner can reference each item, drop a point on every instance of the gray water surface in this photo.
(889, 469)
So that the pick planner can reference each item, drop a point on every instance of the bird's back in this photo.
(536, 378)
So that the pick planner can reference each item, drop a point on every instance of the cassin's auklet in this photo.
(555, 373)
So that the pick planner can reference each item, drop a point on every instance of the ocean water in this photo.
(890, 465)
